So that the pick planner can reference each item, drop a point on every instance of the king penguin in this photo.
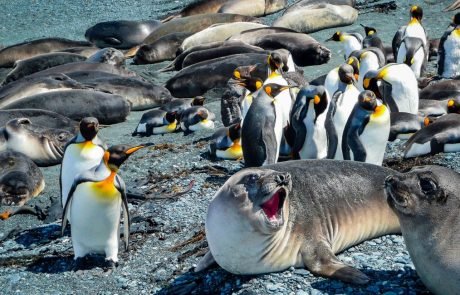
(343, 102)
(371, 58)
(332, 82)
(226, 143)
(372, 39)
(94, 203)
(350, 41)
(413, 29)
(157, 122)
(83, 152)
(399, 87)
(367, 130)
(263, 127)
(243, 77)
(412, 53)
(449, 51)
(315, 136)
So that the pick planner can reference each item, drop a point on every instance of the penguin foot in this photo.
(110, 265)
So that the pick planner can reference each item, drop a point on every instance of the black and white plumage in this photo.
(413, 29)
(157, 122)
(413, 53)
(350, 41)
(449, 51)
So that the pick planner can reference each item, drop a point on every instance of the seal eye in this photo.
(61, 136)
(11, 162)
(253, 178)
(428, 185)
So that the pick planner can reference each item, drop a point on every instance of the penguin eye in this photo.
(428, 185)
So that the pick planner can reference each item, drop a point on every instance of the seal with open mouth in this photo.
(426, 201)
(297, 213)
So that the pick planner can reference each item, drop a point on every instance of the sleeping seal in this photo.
(426, 201)
(20, 179)
(44, 146)
(297, 213)
(40, 117)
(317, 17)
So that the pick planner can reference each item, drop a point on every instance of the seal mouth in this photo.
(273, 208)
(395, 198)
(16, 199)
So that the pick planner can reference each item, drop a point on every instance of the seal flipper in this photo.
(324, 263)
(205, 262)
(112, 41)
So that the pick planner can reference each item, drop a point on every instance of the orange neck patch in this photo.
(106, 188)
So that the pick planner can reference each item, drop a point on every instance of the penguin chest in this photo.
(350, 45)
(452, 56)
(202, 125)
(374, 137)
(77, 159)
(416, 30)
(370, 63)
(246, 103)
(95, 216)
(405, 95)
(419, 58)
(234, 152)
(315, 143)
(165, 129)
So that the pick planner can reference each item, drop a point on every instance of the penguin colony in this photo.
(349, 115)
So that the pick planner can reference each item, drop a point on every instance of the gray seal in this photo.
(109, 56)
(39, 117)
(20, 179)
(121, 34)
(77, 104)
(44, 146)
(9, 55)
(297, 214)
(426, 201)
(41, 62)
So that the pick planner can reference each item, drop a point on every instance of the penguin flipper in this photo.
(331, 132)
(65, 213)
(269, 140)
(121, 187)
(397, 39)
(355, 144)
(299, 112)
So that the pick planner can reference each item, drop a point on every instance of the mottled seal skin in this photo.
(28, 86)
(141, 95)
(305, 50)
(121, 34)
(20, 179)
(195, 23)
(85, 51)
(297, 213)
(244, 7)
(426, 201)
(197, 79)
(9, 55)
(41, 62)
(318, 17)
(44, 146)
(110, 56)
(162, 49)
(77, 104)
(441, 90)
(305, 3)
(39, 117)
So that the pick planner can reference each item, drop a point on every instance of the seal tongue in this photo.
(271, 206)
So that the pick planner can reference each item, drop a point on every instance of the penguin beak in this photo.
(136, 148)
(238, 82)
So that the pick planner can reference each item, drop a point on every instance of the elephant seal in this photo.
(121, 34)
(44, 146)
(77, 104)
(218, 32)
(455, 5)
(426, 201)
(244, 7)
(110, 56)
(314, 18)
(197, 79)
(305, 3)
(141, 95)
(20, 179)
(41, 62)
(297, 213)
(9, 55)
(162, 49)
(28, 86)
(305, 50)
(85, 51)
(195, 23)
(39, 117)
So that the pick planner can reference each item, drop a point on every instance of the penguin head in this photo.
(275, 62)
(198, 101)
(453, 105)
(416, 12)
(367, 100)
(252, 84)
(369, 30)
(347, 74)
(170, 117)
(118, 154)
(338, 36)
(202, 114)
(273, 89)
(456, 20)
(234, 132)
(243, 72)
(370, 83)
(89, 127)
(354, 62)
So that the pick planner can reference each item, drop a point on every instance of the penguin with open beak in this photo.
(413, 53)
(413, 29)
(399, 87)
(82, 153)
(311, 120)
(94, 203)
(350, 41)
(449, 50)
(367, 130)
(226, 143)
